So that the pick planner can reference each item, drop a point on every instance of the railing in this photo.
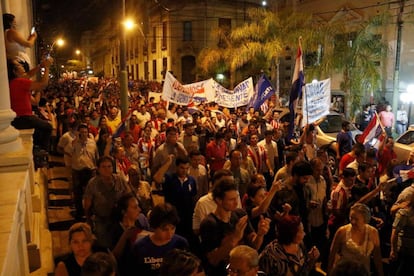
(25, 242)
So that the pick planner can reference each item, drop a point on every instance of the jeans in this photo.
(401, 128)
(42, 129)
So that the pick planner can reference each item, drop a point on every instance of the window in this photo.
(154, 69)
(225, 26)
(131, 48)
(164, 36)
(146, 70)
(187, 69)
(137, 71)
(164, 67)
(145, 48)
(187, 31)
(154, 40)
(407, 138)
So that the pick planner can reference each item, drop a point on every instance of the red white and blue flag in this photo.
(298, 82)
(120, 130)
(373, 130)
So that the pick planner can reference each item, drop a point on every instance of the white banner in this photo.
(156, 95)
(194, 93)
(234, 98)
(316, 101)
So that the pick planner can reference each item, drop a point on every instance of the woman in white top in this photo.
(15, 43)
(357, 241)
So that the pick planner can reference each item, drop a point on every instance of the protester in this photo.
(149, 252)
(226, 227)
(16, 44)
(180, 262)
(357, 241)
(80, 240)
(287, 254)
(101, 195)
(244, 260)
(149, 149)
(21, 99)
(99, 264)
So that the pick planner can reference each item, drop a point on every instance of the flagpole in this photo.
(307, 113)
(380, 123)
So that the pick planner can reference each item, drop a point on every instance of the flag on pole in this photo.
(120, 130)
(296, 90)
(264, 91)
(373, 130)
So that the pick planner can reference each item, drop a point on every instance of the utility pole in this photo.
(396, 90)
(123, 75)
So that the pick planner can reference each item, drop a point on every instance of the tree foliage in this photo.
(352, 51)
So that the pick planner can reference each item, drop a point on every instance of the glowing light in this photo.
(129, 24)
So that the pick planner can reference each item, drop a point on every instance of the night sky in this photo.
(68, 19)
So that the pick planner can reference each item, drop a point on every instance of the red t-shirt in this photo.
(20, 96)
(218, 152)
(384, 158)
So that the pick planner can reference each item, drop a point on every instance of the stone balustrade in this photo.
(25, 241)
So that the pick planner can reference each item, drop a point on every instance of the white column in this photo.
(9, 136)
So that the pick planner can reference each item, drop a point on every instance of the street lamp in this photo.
(59, 42)
(408, 98)
(123, 75)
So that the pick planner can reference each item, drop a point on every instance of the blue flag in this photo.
(264, 91)
(298, 81)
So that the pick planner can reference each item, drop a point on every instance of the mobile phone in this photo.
(32, 31)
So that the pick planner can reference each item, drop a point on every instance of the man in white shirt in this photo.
(143, 116)
(270, 147)
(206, 204)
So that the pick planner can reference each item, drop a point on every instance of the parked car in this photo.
(327, 131)
(404, 144)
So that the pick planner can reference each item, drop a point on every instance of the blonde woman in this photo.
(357, 241)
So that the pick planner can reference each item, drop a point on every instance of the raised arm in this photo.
(159, 175)
(13, 35)
(264, 206)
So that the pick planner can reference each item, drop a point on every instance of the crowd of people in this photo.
(239, 197)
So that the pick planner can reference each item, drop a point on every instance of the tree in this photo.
(356, 54)
(352, 51)
(258, 44)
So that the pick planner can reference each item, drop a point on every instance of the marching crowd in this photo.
(239, 197)
(232, 186)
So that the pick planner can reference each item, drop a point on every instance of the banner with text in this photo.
(316, 101)
(187, 94)
(234, 98)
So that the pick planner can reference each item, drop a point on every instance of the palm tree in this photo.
(356, 56)
(258, 44)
